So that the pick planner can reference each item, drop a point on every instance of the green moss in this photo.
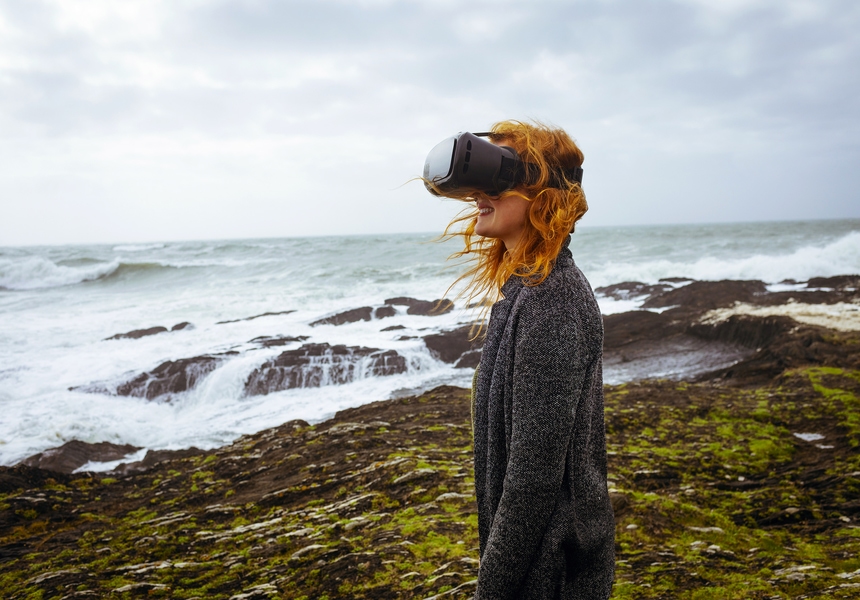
(671, 461)
(204, 475)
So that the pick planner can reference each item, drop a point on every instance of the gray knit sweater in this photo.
(544, 518)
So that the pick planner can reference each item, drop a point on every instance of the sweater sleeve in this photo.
(548, 372)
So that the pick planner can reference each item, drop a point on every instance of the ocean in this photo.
(59, 372)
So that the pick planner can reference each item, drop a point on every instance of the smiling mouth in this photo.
(484, 210)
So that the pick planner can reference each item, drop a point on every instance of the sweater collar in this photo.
(515, 283)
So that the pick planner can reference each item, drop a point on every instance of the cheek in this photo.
(517, 213)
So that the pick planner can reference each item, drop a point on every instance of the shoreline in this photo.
(683, 330)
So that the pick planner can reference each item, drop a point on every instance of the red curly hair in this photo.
(552, 214)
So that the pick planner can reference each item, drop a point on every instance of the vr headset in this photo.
(467, 162)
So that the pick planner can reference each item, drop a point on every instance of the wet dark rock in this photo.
(632, 289)
(384, 311)
(800, 346)
(450, 346)
(171, 377)
(837, 282)
(644, 345)
(625, 328)
(677, 356)
(365, 313)
(22, 477)
(266, 314)
(431, 308)
(315, 365)
(675, 279)
(746, 330)
(749, 349)
(393, 328)
(707, 295)
(75, 454)
(811, 296)
(468, 360)
(423, 307)
(137, 333)
(279, 340)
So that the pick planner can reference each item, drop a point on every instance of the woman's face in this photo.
(503, 217)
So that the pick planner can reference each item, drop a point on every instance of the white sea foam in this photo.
(101, 467)
(611, 306)
(137, 247)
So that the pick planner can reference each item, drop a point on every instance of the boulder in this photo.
(450, 346)
(384, 311)
(171, 377)
(315, 365)
(365, 313)
(137, 333)
(431, 308)
(423, 307)
(75, 454)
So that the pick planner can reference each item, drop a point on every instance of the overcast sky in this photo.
(154, 120)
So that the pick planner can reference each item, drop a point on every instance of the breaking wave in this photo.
(143, 268)
(839, 257)
(35, 272)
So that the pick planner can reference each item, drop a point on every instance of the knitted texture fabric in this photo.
(545, 520)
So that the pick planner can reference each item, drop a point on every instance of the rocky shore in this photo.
(741, 480)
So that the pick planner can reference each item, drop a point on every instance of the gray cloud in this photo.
(227, 118)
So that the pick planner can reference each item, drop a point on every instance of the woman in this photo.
(545, 521)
